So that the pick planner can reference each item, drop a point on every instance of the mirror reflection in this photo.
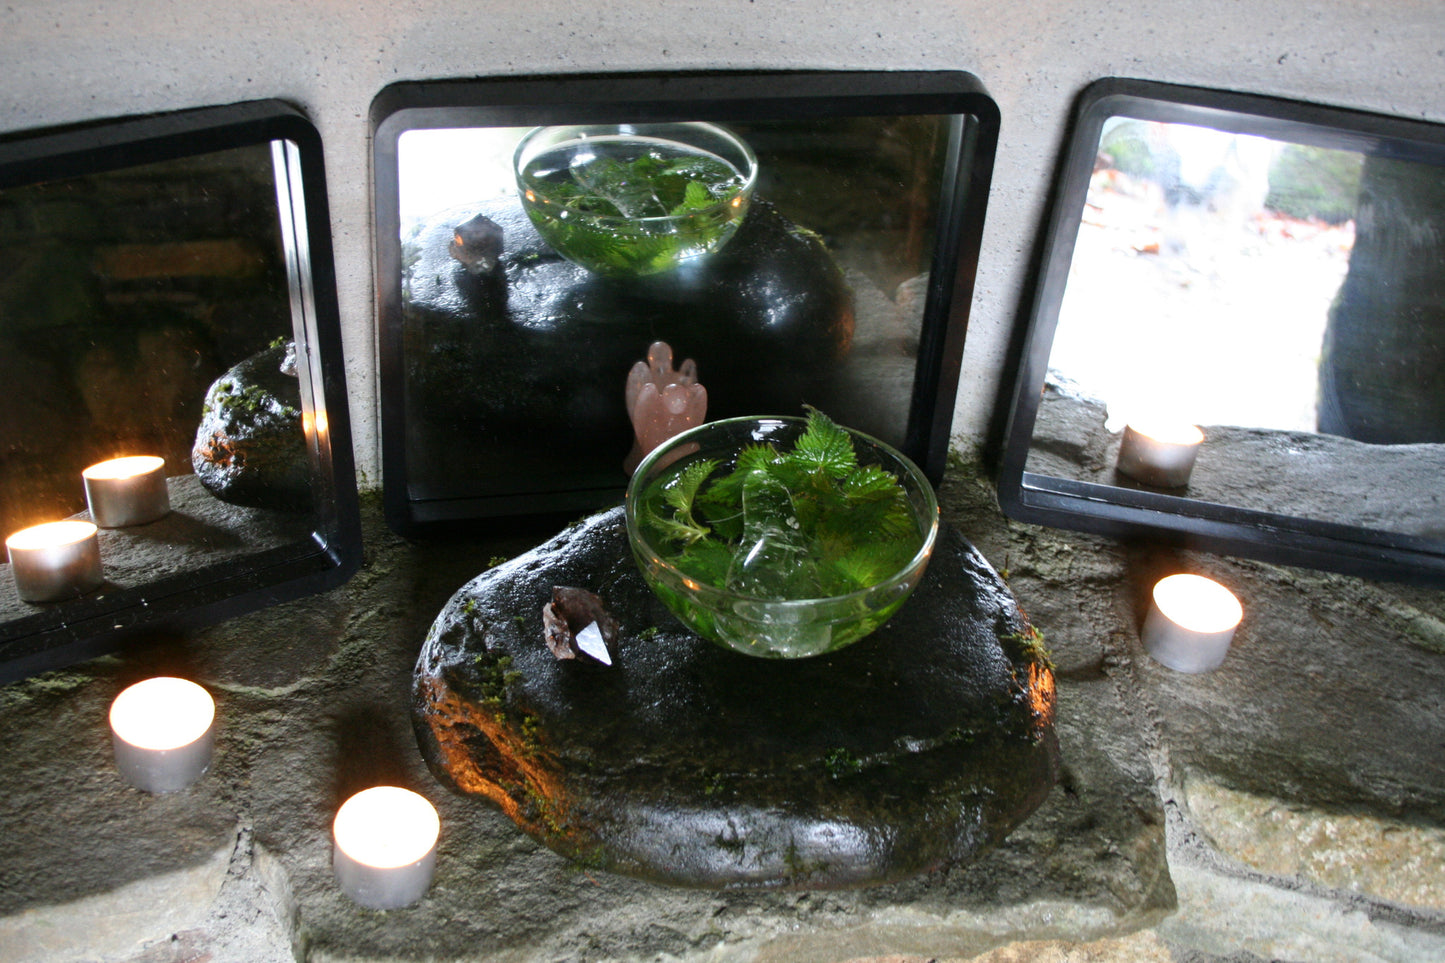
(790, 260)
(1283, 292)
(150, 317)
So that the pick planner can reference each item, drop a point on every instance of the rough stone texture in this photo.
(199, 532)
(922, 745)
(1227, 919)
(314, 697)
(1347, 482)
(1336, 718)
(250, 449)
(120, 921)
(1388, 859)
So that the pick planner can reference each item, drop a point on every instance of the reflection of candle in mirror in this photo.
(314, 424)
(54, 561)
(385, 847)
(162, 731)
(127, 491)
(1161, 455)
(1191, 622)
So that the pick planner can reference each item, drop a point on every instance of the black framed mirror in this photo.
(169, 295)
(504, 356)
(1269, 272)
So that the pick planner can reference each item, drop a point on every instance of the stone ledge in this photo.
(1378, 857)
(314, 696)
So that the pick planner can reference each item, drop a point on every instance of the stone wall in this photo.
(1258, 812)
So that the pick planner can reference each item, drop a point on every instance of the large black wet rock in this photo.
(250, 448)
(919, 746)
(514, 377)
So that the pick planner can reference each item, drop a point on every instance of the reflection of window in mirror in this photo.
(1270, 291)
(1269, 271)
(1232, 279)
(1203, 275)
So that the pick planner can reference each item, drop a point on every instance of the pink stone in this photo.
(661, 401)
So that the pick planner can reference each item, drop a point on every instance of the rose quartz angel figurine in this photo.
(661, 401)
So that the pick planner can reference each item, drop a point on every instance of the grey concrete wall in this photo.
(69, 60)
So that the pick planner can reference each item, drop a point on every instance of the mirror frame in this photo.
(68, 632)
(712, 96)
(1133, 514)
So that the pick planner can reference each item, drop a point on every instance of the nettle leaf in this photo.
(695, 197)
(824, 447)
(676, 529)
(756, 456)
(678, 493)
(722, 502)
(627, 188)
(682, 489)
(707, 560)
(868, 565)
(780, 521)
(878, 503)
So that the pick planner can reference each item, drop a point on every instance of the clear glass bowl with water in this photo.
(628, 200)
(786, 599)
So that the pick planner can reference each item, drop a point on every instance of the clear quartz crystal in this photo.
(772, 560)
(590, 641)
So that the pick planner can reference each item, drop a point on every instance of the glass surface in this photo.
(519, 387)
(1273, 273)
(834, 268)
(1235, 282)
(119, 312)
(165, 308)
(771, 541)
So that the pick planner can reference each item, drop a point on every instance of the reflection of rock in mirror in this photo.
(792, 255)
(1272, 272)
(249, 447)
(153, 304)
(117, 312)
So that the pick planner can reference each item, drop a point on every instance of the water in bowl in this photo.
(631, 205)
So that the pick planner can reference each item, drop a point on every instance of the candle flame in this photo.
(126, 467)
(386, 827)
(1198, 603)
(162, 713)
(1171, 433)
(50, 534)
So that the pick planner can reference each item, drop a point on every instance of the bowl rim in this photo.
(635, 538)
(750, 176)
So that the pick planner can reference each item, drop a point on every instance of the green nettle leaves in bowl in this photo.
(635, 199)
(781, 537)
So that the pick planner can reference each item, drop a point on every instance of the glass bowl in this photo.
(628, 200)
(784, 588)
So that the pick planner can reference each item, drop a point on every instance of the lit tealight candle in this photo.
(54, 561)
(163, 731)
(1161, 455)
(1190, 623)
(385, 847)
(127, 491)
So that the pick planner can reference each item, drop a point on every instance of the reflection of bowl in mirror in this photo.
(815, 587)
(627, 200)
